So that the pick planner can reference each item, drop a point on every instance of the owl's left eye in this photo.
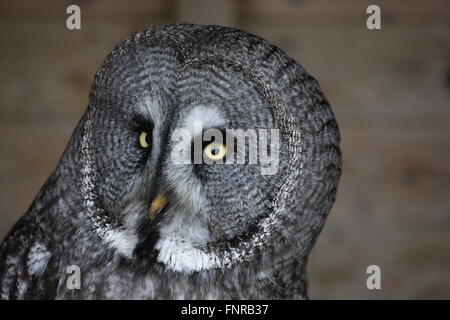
(144, 139)
(215, 151)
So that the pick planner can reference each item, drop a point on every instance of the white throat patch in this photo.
(179, 255)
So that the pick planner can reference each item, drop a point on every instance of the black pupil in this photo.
(215, 150)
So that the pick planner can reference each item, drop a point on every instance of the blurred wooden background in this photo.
(390, 91)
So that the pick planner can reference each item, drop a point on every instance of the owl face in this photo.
(189, 155)
(218, 191)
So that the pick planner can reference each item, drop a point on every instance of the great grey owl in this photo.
(136, 224)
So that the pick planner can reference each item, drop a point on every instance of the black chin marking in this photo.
(145, 250)
(148, 236)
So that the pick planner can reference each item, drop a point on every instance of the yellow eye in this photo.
(143, 139)
(215, 151)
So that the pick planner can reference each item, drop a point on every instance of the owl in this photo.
(204, 167)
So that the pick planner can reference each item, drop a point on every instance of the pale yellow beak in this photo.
(158, 203)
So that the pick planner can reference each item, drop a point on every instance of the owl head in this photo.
(204, 147)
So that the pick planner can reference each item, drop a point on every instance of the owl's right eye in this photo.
(144, 139)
